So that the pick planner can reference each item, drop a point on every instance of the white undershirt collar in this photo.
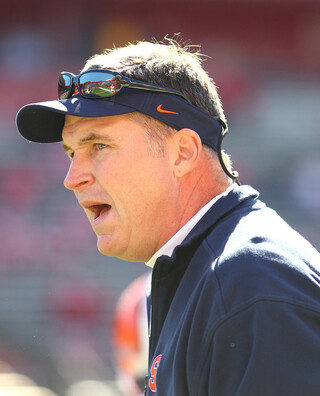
(168, 247)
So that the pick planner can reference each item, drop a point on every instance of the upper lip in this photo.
(94, 207)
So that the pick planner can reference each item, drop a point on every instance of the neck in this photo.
(199, 189)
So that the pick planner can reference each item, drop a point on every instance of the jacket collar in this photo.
(229, 200)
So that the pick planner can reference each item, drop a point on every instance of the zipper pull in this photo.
(145, 385)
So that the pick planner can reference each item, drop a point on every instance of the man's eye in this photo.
(100, 146)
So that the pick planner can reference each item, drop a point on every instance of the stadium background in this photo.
(57, 293)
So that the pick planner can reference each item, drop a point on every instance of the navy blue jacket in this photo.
(236, 309)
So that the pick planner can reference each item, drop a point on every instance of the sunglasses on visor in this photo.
(103, 84)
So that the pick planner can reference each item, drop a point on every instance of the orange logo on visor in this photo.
(161, 110)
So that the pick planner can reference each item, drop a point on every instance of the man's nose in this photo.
(79, 175)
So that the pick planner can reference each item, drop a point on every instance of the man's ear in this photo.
(188, 147)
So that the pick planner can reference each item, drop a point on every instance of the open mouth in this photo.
(98, 210)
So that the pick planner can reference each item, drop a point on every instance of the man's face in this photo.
(129, 194)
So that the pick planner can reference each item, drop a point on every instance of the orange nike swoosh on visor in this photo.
(161, 110)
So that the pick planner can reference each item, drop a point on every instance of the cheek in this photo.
(137, 183)
(149, 195)
(125, 176)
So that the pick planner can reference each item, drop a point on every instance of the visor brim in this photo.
(43, 122)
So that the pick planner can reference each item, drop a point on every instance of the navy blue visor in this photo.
(43, 122)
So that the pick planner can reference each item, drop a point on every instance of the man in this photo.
(235, 301)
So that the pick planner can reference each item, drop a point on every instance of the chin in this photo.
(109, 247)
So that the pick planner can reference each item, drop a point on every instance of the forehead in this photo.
(76, 124)
(118, 128)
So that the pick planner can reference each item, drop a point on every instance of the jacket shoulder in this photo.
(263, 257)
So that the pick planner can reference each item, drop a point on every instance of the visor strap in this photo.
(234, 175)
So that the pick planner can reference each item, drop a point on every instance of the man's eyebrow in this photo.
(90, 138)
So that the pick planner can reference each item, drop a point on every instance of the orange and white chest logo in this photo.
(153, 373)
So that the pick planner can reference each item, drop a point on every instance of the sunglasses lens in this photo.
(64, 86)
(96, 84)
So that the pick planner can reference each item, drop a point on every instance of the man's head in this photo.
(166, 64)
(140, 162)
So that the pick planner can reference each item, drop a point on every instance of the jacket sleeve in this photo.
(267, 348)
